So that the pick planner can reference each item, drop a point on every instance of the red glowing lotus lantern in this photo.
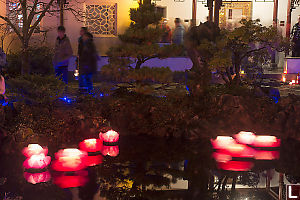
(220, 157)
(238, 150)
(110, 136)
(235, 166)
(69, 160)
(70, 181)
(35, 178)
(34, 149)
(91, 145)
(262, 141)
(37, 162)
(244, 137)
(112, 151)
(222, 142)
(266, 155)
(93, 160)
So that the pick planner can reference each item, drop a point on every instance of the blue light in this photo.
(101, 95)
(67, 100)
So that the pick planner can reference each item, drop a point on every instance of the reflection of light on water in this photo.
(35, 178)
(94, 160)
(235, 166)
(112, 151)
(69, 181)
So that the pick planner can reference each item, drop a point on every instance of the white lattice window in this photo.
(101, 19)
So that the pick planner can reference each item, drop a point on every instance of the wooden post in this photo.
(288, 20)
(210, 5)
(218, 4)
(61, 12)
(194, 13)
(275, 13)
(281, 185)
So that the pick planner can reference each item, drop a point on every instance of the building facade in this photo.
(108, 18)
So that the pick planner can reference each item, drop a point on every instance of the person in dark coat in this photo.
(83, 30)
(62, 54)
(296, 38)
(87, 63)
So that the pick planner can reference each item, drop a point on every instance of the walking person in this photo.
(62, 54)
(296, 39)
(87, 63)
(179, 31)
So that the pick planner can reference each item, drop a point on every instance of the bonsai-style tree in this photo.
(139, 42)
(249, 45)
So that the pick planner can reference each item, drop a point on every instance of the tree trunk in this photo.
(25, 59)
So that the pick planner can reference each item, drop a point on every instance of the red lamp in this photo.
(222, 142)
(244, 137)
(262, 141)
(35, 178)
(110, 136)
(112, 151)
(238, 166)
(93, 160)
(91, 145)
(221, 157)
(69, 160)
(70, 181)
(34, 149)
(238, 150)
(37, 162)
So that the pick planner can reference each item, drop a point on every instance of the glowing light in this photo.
(110, 136)
(112, 151)
(283, 78)
(220, 157)
(235, 166)
(34, 149)
(244, 137)
(238, 150)
(76, 180)
(266, 141)
(91, 145)
(242, 72)
(266, 155)
(285, 71)
(69, 160)
(35, 178)
(37, 162)
(222, 142)
(93, 160)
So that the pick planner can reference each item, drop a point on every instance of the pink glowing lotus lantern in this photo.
(35, 178)
(112, 151)
(34, 149)
(266, 155)
(69, 160)
(266, 141)
(70, 181)
(238, 150)
(91, 145)
(244, 137)
(220, 157)
(37, 162)
(222, 142)
(110, 136)
(93, 160)
(239, 166)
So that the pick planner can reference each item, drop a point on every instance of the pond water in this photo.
(151, 168)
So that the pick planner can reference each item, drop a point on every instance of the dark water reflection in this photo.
(148, 168)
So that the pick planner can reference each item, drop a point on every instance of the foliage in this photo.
(35, 89)
(40, 60)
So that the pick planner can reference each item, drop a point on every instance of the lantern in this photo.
(244, 137)
(110, 136)
(112, 151)
(69, 160)
(91, 145)
(35, 178)
(239, 166)
(222, 142)
(70, 181)
(262, 141)
(266, 155)
(220, 157)
(238, 151)
(34, 149)
(93, 160)
(37, 162)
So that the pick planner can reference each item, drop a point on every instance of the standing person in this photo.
(2, 58)
(83, 30)
(166, 36)
(177, 36)
(87, 63)
(296, 39)
(62, 53)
